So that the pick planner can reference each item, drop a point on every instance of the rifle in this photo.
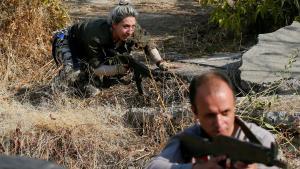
(234, 149)
(140, 70)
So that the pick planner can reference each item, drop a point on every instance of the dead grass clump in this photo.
(26, 27)
(74, 137)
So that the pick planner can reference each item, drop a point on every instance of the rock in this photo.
(153, 121)
(174, 56)
(9, 162)
(276, 117)
(281, 112)
(227, 63)
(275, 57)
(284, 119)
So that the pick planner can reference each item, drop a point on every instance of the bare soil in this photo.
(177, 25)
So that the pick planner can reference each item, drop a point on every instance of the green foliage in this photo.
(253, 15)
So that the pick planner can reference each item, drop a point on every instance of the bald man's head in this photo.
(213, 103)
(209, 82)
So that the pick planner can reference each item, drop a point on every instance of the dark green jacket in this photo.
(91, 41)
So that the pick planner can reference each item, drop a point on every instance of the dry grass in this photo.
(71, 135)
(85, 133)
(26, 28)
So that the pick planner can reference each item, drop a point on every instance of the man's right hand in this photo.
(212, 163)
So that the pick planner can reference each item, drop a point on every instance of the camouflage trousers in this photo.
(61, 51)
(83, 85)
(69, 76)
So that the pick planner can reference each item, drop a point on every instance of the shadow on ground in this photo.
(36, 95)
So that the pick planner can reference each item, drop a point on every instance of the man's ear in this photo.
(113, 25)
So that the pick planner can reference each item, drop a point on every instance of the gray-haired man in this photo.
(87, 45)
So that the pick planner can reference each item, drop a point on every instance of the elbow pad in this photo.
(154, 55)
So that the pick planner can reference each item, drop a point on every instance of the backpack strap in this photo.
(249, 134)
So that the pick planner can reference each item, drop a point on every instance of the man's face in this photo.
(215, 109)
(124, 29)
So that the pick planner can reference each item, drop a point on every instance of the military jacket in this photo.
(91, 42)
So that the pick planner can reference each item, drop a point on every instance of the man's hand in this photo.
(241, 165)
(212, 163)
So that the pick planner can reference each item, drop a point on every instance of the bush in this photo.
(25, 30)
(256, 16)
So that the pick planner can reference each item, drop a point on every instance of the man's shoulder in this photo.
(266, 138)
(262, 134)
(192, 130)
(174, 141)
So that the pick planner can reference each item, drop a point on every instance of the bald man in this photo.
(213, 104)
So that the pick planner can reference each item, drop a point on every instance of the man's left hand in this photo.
(241, 165)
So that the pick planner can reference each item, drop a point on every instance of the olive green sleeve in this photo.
(94, 51)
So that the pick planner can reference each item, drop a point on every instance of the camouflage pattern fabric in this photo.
(92, 40)
(87, 45)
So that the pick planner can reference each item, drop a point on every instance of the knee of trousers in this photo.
(70, 75)
(63, 53)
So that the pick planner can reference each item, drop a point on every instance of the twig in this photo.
(143, 156)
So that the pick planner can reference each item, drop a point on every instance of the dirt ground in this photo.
(172, 23)
(169, 16)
